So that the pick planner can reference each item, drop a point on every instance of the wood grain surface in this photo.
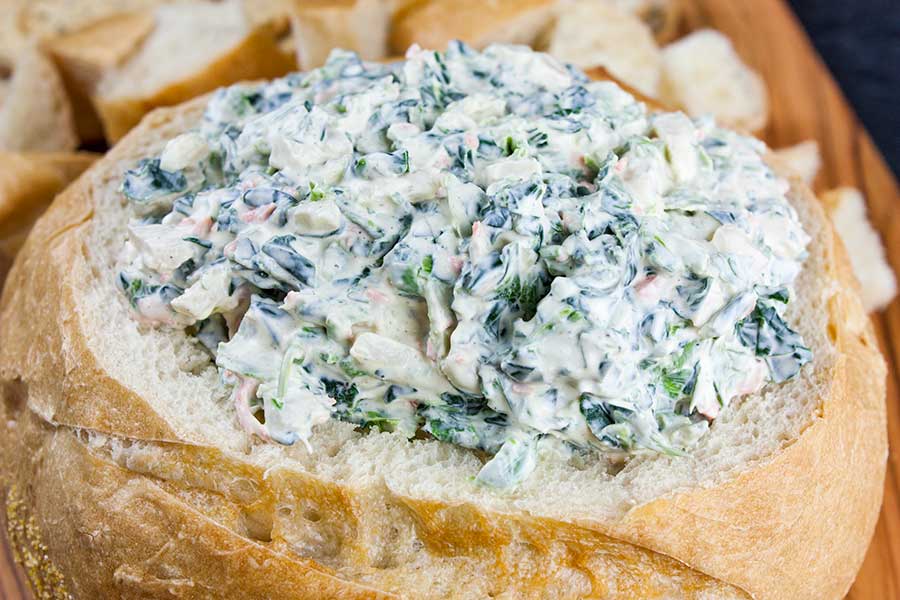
(805, 104)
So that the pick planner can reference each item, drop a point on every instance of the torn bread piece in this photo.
(322, 25)
(28, 183)
(703, 74)
(435, 23)
(41, 20)
(36, 114)
(194, 47)
(662, 16)
(804, 159)
(847, 208)
(12, 38)
(46, 18)
(85, 54)
(277, 14)
(591, 33)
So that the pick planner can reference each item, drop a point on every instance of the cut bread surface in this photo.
(86, 54)
(139, 414)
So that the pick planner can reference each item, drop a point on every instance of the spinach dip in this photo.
(484, 248)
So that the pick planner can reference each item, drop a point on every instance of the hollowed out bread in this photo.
(127, 475)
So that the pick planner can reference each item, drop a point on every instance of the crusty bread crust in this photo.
(108, 500)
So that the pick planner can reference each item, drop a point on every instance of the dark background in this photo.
(860, 42)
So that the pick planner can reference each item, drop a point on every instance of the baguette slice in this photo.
(41, 20)
(703, 74)
(433, 24)
(592, 33)
(36, 114)
(193, 48)
(877, 283)
(122, 431)
(323, 25)
(28, 184)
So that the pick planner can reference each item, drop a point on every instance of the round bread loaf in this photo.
(126, 476)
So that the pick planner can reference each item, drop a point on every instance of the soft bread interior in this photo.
(176, 377)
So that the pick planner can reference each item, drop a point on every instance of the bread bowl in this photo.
(140, 481)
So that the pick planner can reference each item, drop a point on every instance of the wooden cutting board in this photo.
(805, 104)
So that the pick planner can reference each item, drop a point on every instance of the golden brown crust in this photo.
(130, 515)
(135, 538)
(164, 525)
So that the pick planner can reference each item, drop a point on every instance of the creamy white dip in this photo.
(482, 246)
